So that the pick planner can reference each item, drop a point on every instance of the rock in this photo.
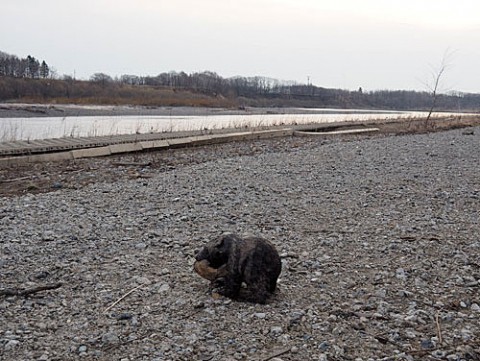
(162, 288)
(11, 344)
(401, 274)
(324, 346)
(110, 338)
(124, 316)
(142, 280)
(438, 354)
(57, 185)
(322, 357)
(276, 330)
(427, 344)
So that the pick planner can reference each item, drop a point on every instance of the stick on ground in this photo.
(28, 291)
(123, 297)
(278, 353)
(439, 330)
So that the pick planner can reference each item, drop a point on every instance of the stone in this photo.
(11, 344)
(57, 185)
(163, 288)
(110, 338)
(276, 330)
(427, 344)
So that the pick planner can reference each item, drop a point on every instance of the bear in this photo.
(229, 260)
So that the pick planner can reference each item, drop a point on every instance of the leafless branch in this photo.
(275, 354)
(123, 297)
(28, 291)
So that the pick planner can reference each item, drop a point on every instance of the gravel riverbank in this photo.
(379, 239)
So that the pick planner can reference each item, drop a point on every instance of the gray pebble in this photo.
(11, 344)
(110, 338)
(276, 330)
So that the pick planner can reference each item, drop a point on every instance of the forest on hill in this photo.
(29, 80)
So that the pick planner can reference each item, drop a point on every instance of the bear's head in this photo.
(217, 251)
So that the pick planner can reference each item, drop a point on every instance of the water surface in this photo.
(90, 126)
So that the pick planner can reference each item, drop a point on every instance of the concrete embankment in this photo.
(71, 149)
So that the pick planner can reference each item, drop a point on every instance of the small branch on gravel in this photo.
(122, 298)
(28, 291)
(133, 164)
(439, 330)
(278, 353)
(14, 180)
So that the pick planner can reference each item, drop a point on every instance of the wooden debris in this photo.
(28, 291)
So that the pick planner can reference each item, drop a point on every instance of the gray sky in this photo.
(375, 44)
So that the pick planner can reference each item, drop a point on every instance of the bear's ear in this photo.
(224, 240)
(227, 242)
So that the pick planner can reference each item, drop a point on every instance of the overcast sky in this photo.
(373, 44)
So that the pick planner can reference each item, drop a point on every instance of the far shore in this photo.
(24, 110)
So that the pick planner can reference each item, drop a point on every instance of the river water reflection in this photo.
(89, 126)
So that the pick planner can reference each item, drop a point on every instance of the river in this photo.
(31, 128)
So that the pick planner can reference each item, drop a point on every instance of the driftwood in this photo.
(439, 330)
(13, 180)
(28, 291)
(275, 354)
(133, 164)
(123, 297)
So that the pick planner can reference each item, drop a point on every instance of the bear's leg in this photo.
(257, 296)
(258, 292)
(228, 286)
(272, 285)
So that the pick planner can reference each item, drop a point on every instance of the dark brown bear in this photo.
(229, 261)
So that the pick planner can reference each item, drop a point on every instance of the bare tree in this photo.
(101, 78)
(433, 85)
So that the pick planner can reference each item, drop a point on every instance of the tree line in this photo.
(29, 67)
(29, 80)
(272, 92)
